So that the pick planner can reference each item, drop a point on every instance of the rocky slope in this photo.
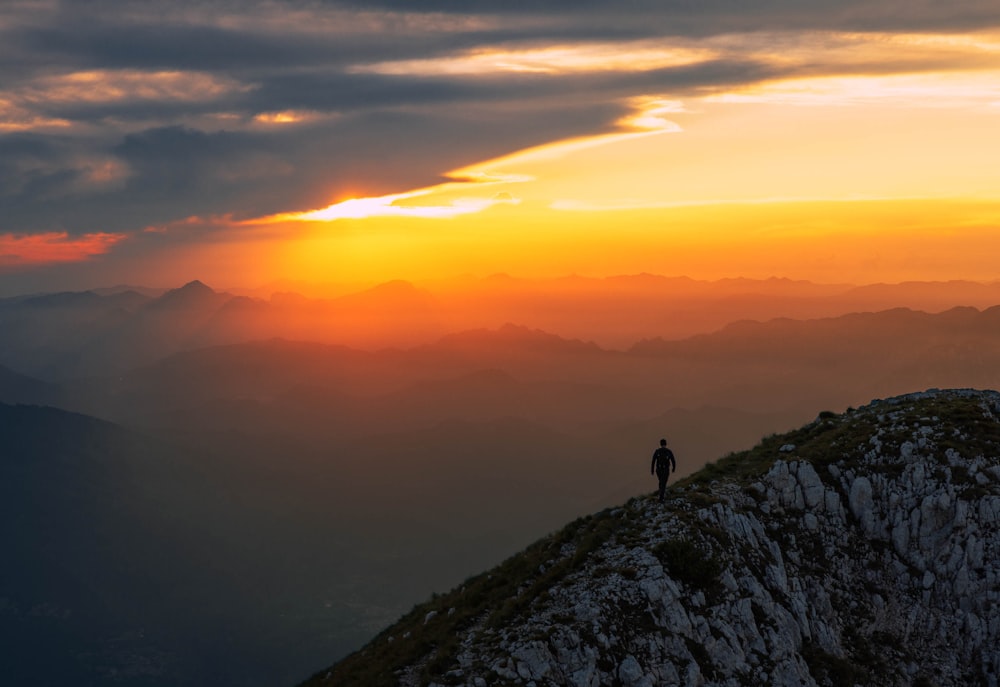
(863, 548)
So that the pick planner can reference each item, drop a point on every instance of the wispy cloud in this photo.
(630, 56)
(453, 198)
(20, 250)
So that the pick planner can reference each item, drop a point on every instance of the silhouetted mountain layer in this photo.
(876, 354)
(130, 561)
(319, 391)
(862, 548)
(109, 331)
(18, 388)
(86, 543)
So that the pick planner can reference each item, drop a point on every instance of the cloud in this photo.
(586, 57)
(118, 115)
(713, 17)
(455, 197)
(52, 247)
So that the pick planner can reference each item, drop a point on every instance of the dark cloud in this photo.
(36, 172)
(138, 153)
(712, 17)
(176, 172)
(165, 47)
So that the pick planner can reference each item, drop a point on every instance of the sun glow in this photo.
(848, 169)
(452, 198)
(392, 206)
(287, 117)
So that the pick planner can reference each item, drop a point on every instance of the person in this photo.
(663, 464)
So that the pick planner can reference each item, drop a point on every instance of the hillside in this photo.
(863, 548)
(131, 562)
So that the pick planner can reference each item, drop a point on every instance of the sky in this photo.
(243, 142)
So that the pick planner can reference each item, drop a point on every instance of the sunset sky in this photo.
(358, 142)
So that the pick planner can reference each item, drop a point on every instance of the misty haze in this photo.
(216, 502)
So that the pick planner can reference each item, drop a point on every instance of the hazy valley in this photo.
(304, 469)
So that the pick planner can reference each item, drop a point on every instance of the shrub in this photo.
(688, 564)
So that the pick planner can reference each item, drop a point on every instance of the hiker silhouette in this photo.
(663, 464)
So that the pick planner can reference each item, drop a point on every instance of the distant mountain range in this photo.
(109, 331)
(780, 367)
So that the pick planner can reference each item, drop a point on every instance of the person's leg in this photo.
(663, 485)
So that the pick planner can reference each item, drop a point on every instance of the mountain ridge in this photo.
(860, 548)
(67, 335)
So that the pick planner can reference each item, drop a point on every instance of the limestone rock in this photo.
(867, 553)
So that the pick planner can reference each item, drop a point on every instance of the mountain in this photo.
(862, 548)
(923, 295)
(511, 337)
(41, 334)
(133, 562)
(84, 539)
(76, 335)
(142, 291)
(617, 311)
(172, 322)
(18, 388)
(778, 367)
(108, 331)
(839, 361)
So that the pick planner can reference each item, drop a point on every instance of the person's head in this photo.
(663, 442)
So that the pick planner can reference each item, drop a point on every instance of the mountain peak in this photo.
(860, 548)
(196, 286)
(193, 294)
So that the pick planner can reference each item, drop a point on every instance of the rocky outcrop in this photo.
(863, 549)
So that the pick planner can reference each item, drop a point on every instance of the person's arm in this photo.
(673, 462)
(652, 467)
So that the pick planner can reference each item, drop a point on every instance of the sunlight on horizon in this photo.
(785, 178)
(645, 120)
(801, 133)
(755, 178)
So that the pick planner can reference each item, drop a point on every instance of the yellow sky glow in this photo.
(934, 90)
(845, 175)
(451, 199)
(285, 117)
(585, 57)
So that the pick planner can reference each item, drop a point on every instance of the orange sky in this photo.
(829, 154)
(848, 176)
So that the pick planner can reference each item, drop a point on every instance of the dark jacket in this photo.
(663, 460)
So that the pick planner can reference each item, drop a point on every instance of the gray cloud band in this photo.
(117, 115)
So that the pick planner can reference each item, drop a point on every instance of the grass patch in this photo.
(966, 424)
